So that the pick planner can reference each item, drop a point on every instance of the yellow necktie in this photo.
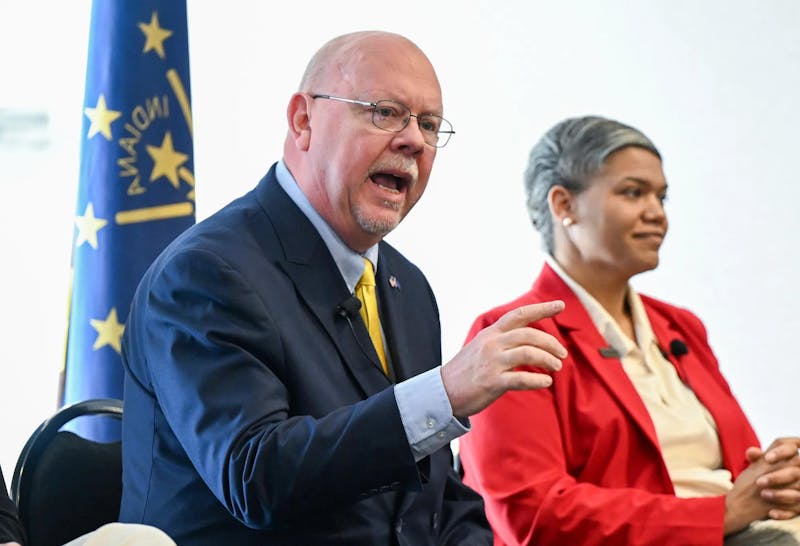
(365, 291)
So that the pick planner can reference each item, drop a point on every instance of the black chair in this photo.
(64, 485)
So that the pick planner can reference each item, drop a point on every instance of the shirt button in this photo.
(430, 422)
(440, 435)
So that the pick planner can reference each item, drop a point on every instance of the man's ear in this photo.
(299, 118)
(561, 203)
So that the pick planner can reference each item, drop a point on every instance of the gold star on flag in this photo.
(101, 118)
(155, 35)
(88, 226)
(167, 161)
(109, 331)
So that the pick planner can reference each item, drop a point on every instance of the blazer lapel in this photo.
(311, 268)
(696, 374)
(582, 335)
(666, 334)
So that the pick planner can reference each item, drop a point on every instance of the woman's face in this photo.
(620, 221)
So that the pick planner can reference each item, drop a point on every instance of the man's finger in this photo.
(522, 316)
(527, 355)
(531, 337)
(522, 380)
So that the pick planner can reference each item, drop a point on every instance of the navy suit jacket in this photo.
(256, 413)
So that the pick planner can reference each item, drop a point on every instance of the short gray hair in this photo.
(570, 153)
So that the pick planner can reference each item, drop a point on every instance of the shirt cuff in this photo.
(426, 413)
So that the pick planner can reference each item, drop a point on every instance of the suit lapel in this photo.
(393, 308)
(399, 311)
(582, 335)
(319, 284)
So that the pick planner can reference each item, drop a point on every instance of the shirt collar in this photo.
(349, 262)
(604, 322)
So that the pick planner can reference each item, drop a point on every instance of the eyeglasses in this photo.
(394, 116)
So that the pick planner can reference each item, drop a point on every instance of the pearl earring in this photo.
(567, 221)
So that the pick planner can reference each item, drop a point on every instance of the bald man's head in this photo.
(330, 63)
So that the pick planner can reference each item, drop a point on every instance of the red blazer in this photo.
(579, 463)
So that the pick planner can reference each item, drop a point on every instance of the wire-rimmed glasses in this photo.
(394, 116)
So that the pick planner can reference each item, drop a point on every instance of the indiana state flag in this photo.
(136, 189)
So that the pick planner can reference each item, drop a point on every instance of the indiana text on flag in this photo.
(136, 190)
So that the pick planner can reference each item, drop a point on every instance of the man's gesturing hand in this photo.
(485, 367)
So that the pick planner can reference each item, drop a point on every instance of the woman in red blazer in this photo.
(639, 440)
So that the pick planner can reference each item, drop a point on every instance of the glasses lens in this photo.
(393, 116)
(390, 115)
(436, 130)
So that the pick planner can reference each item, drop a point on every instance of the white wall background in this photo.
(714, 84)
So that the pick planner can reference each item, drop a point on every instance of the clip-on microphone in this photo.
(349, 307)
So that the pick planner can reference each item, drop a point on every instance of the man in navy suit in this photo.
(257, 409)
